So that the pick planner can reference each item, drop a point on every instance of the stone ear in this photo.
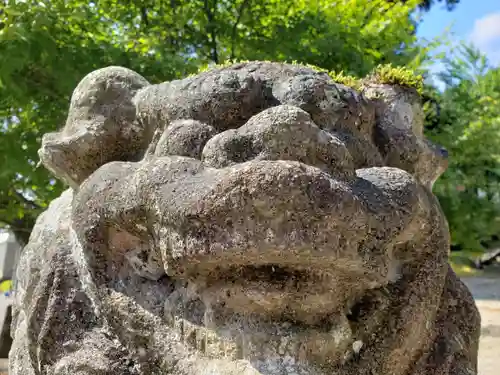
(101, 126)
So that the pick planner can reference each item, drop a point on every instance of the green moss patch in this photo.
(382, 74)
(346, 80)
(387, 74)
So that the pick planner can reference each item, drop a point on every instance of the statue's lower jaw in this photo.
(259, 340)
(262, 319)
(262, 341)
(306, 287)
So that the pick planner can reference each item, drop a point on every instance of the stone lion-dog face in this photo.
(258, 218)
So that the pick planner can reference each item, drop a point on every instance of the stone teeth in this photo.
(357, 345)
(207, 341)
(188, 332)
(240, 346)
(201, 340)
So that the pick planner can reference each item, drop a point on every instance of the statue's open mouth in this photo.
(303, 285)
(275, 291)
(293, 242)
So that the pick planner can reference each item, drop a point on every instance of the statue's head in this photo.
(256, 219)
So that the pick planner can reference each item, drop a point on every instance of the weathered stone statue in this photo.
(253, 219)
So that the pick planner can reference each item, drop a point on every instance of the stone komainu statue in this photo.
(252, 219)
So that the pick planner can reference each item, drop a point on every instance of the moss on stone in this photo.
(346, 80)
(338, 77)
(382, 74)
(387, 74)
(310, 66)
(225, 64)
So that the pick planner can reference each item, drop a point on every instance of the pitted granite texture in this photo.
(255, 219)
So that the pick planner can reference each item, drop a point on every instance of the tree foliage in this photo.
(428, 4)
(47, 47)
(468, 125)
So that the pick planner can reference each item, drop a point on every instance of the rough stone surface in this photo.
(101, 126)
(255, 219)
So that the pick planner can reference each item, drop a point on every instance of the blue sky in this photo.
(477, 21)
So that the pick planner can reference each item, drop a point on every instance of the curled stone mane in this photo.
(254, 219)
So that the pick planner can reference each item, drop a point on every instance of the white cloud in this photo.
(486, 30)
(486, 35)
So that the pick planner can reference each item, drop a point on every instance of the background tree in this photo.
(47, 47)
(428, 4)
(468, 125)
(450, 4)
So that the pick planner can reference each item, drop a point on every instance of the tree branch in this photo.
(27, 201)
(144, 16)
(21, 228)
(18, 229)
(6, 222)
(2, 24)
(211, 30)
(235, 26)
(22, 200)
